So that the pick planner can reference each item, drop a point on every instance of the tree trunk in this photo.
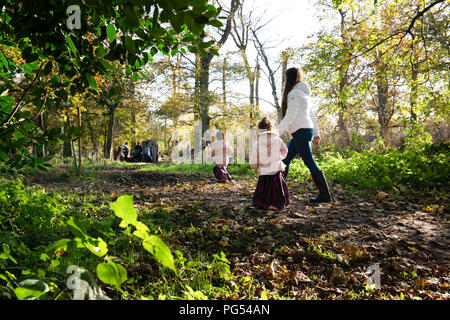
(106, 138)
(224, 87)
(204, 98)
(343, 82)
(343, 132)
(67, 149)
(133, 118)
(109, 152)
(39, 151)
(79, 139)
(251, 83)
(202, 72)
(382, 100)
(414, 94)
(250, 76)
(94, 140)
(71, 143)
(133, 128)
(283, 74)
(343, 109)
(257, 76)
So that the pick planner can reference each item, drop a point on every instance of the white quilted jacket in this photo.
(299, 113)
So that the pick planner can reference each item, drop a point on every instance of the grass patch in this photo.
(239, 170)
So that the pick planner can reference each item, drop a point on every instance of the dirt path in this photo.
(307, 251)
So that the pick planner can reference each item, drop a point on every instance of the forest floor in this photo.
(308, 251)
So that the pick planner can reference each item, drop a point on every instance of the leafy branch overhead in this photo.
(54, 63)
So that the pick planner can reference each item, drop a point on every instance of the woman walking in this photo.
(301, 123)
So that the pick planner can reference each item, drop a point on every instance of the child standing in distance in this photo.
(220, 151)
(266, 159)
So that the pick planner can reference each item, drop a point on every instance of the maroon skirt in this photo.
(221, 174)
(271, 191)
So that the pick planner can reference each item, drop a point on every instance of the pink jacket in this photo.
(221, 152)
(267, 153)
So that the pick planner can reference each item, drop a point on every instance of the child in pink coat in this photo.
(221, 151)
(266, 159)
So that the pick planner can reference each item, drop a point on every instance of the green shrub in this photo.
(29, 211)
(421, 168)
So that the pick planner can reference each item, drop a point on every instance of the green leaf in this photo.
(100, 51)
(71, 44)
(60, 244)
(210, 7)
(26, 294)
(4, 61)
(76, 230)
(192, 25)
(48, 68)
(141, 230)
(95, 246)
(203, 53)
(3, 157)
(91, 81)
(135, 76)
(216, 23)
(129, 43)
(30, 67)
(207, 44)
(123, 208)
(31, 288)
(107, 65)
(131, 17)
(128, 70)
(111, 32)
(213, 51)
(111, 273)
(35, 284)
(160, 251)
(192, 49)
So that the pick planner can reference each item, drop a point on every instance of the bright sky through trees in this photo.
(291, 22)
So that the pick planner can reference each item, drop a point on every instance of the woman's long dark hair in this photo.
(293, 76)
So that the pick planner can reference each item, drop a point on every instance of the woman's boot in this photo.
(321, 183)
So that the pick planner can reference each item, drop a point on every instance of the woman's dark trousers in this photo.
(300, 144)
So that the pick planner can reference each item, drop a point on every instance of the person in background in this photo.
(137, 154)
(220, 151)
(125, 150)
(154, 150)
(147, 156)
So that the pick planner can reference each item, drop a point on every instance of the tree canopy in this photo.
(45, 60)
